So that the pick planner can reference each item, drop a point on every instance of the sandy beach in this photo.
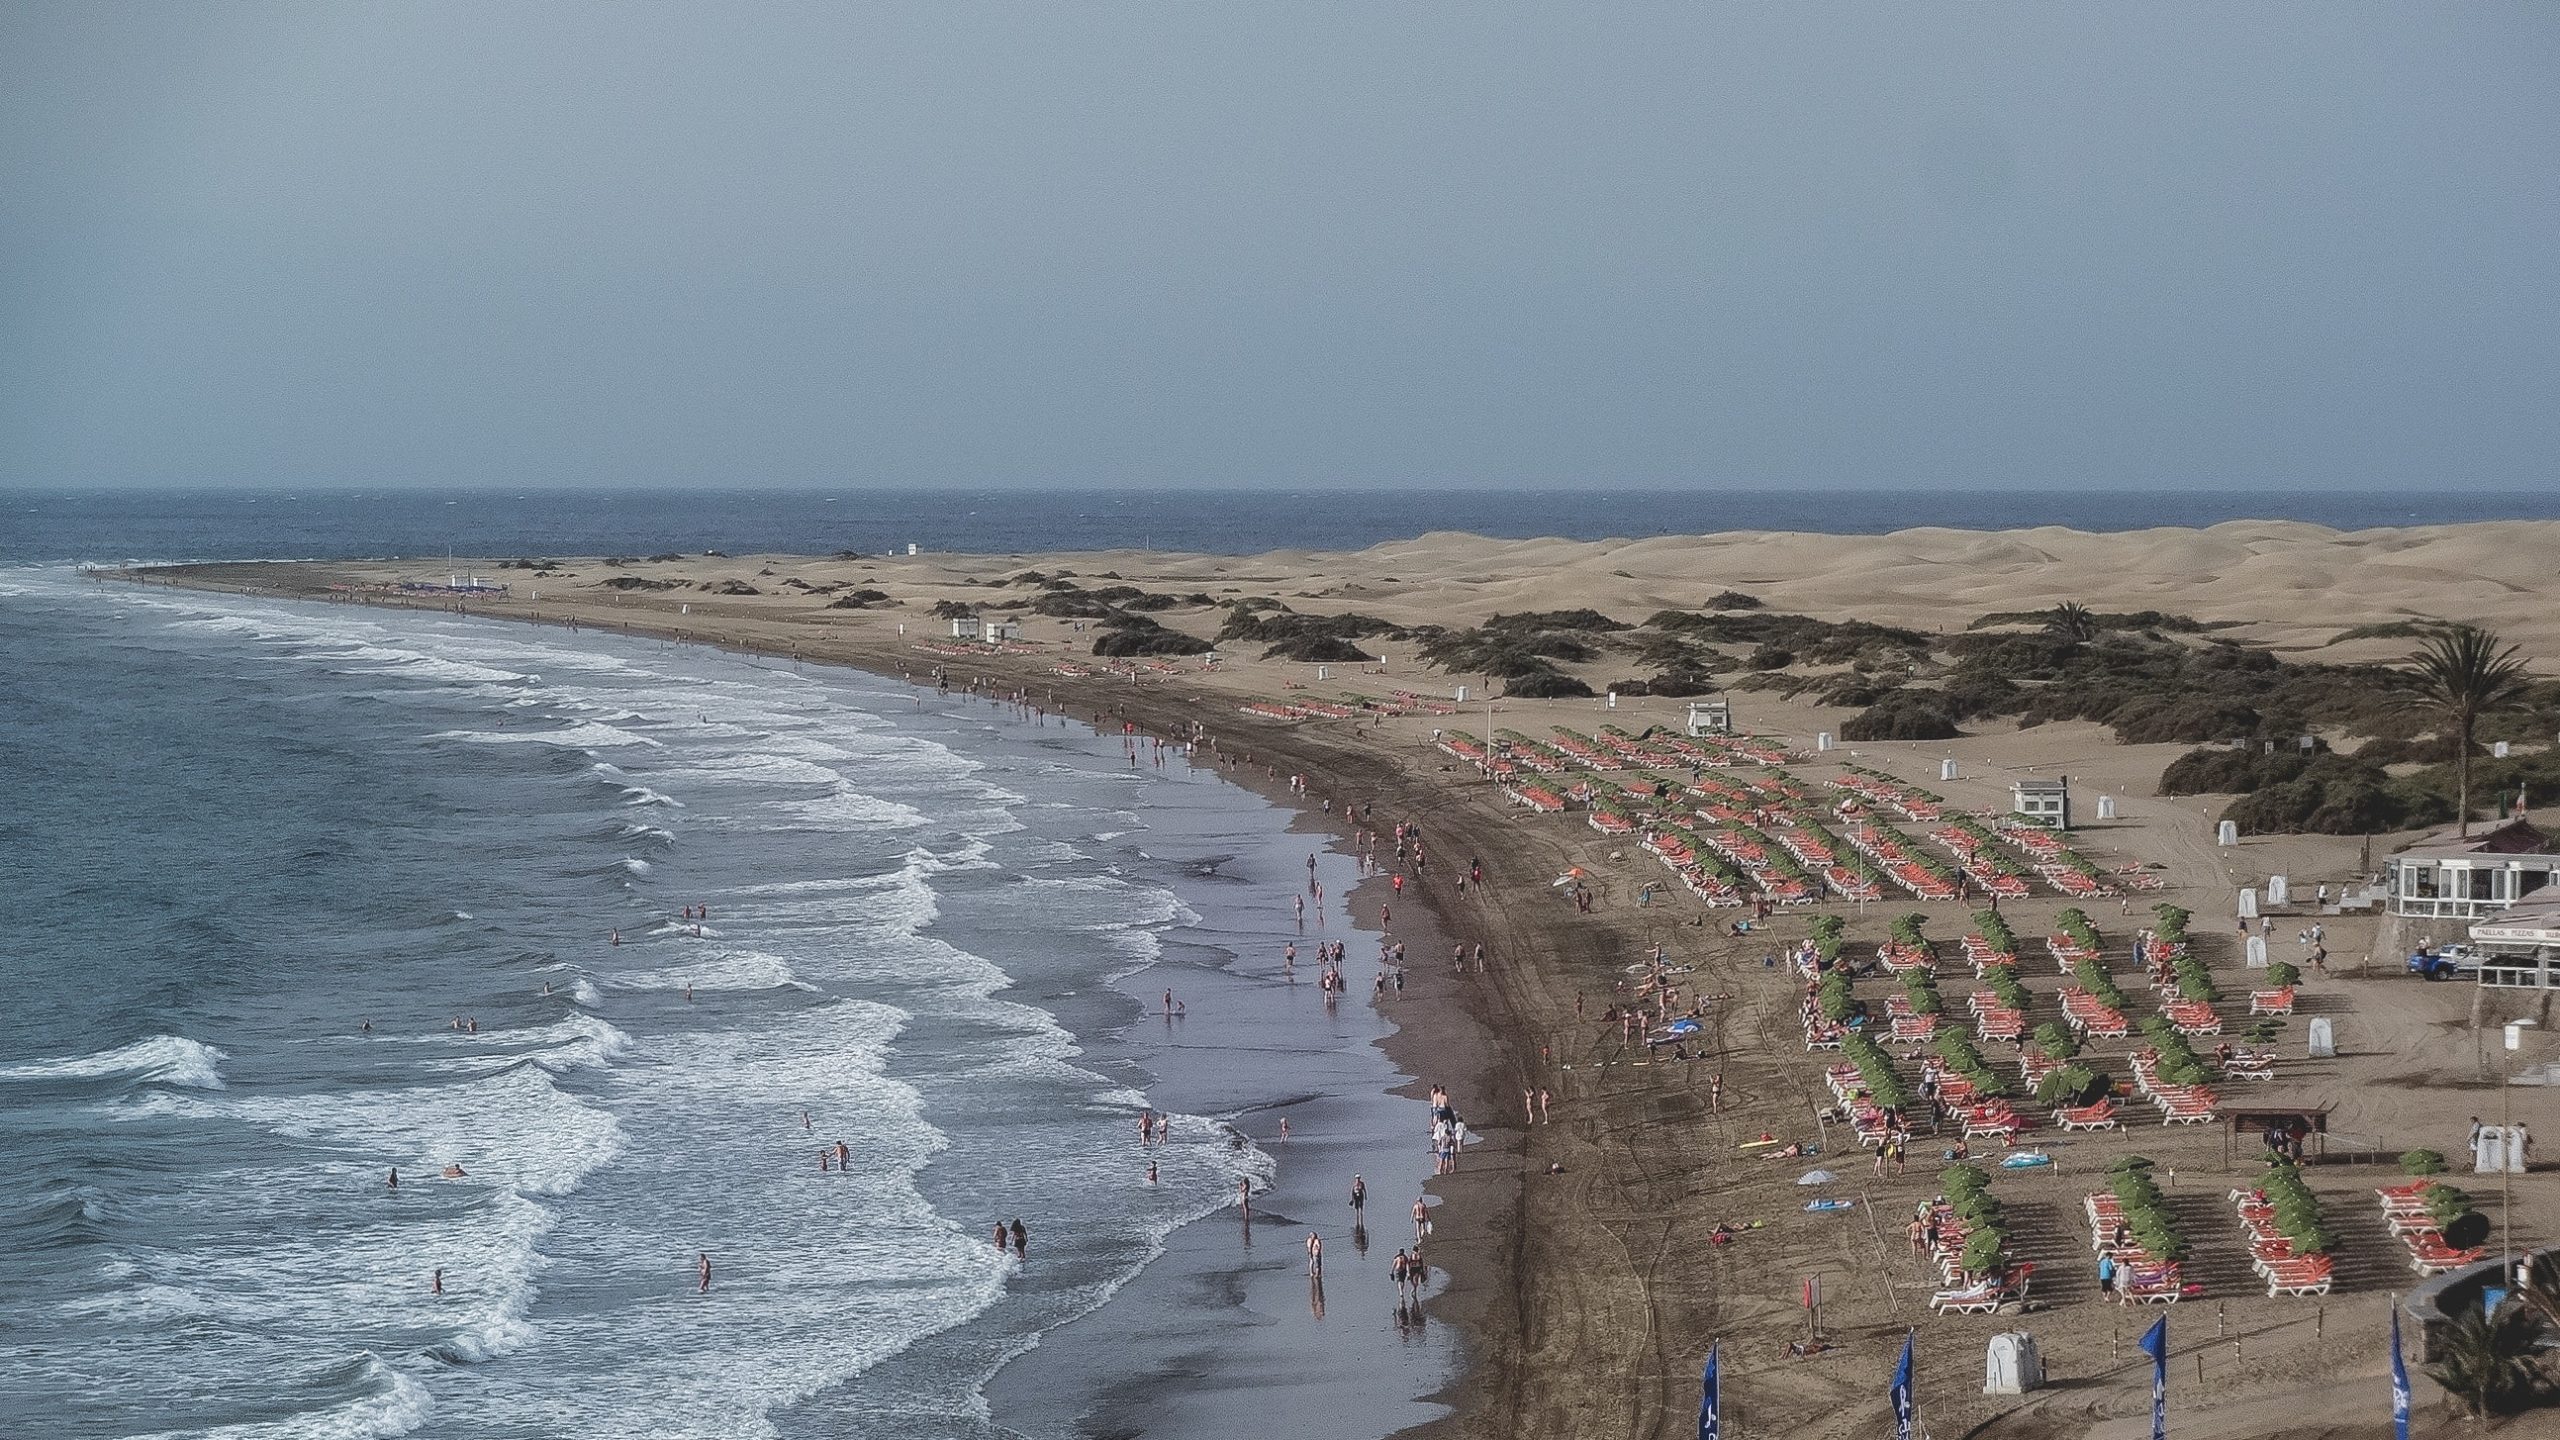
(1579, 1272)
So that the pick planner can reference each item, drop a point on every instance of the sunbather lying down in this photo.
(1787, 1152)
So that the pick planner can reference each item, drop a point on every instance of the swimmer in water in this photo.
(844, 1156)
(1151, 1172)
(395, 1177)
(1021, 1241)
(435, 1286)
(453, 1172)
(703, 1269)
(617, 937)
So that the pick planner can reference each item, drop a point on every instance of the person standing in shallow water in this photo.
(1021, 1241)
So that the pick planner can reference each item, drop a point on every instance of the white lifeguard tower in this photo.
(2042, 802)
(967, 627)
(1711, 717)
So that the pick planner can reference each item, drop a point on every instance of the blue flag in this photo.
(1710, 1403)
(1903, 1410)
(2399, 1381)
(2155, 1343)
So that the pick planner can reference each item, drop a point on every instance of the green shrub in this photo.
(2422, 1162)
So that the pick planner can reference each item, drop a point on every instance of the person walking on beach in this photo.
(1315, 1253)
(1359, 1198)
(1546, 1098)
(1244, 1197)
(1421, 1220)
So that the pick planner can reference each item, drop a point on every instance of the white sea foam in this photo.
(586, 734)
(849, 809)
(394, 1404)
(727, 970)
(515, 1129)
(755, 768)
(162, 1059)
(586, 993)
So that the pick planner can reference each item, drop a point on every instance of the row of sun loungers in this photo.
(2100, 1116)
(2179, 1104)
(2271, 1254)
(1984, 957)
(2404, 1209)
(2092, 1017)
(2139, 1274)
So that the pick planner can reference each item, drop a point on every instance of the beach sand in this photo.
(1587, 1299)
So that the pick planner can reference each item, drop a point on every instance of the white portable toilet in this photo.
(1461, 695)
(2249, 903)
(1822, 740)
(911, 547)
(2257, 952)
(1947, 768)
(2498, 750)
(2324, 1045)
(2227, 833)
(2277, 890)
(1324, 672)
(2500, 1147)
(2011, 1366)
(2106, 807)
(1613, 699)
(684, 609)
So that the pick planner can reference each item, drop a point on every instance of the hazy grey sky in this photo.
(1231, 244)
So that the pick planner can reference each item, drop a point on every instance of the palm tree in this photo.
(2462, 674)
(2490, 1363)
(2072, 621)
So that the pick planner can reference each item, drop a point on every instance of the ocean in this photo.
(306, 895)
(501, 524)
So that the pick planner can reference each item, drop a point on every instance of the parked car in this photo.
(2445, 962)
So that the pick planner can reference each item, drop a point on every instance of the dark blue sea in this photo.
(303, 897)
(176, 525)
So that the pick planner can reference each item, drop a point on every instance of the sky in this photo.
(1236, 245)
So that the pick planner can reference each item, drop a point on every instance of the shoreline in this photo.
(1586, 1297)
(1475, 1244)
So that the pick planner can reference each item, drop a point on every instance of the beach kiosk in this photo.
(2519, 947)
(1711, 717)
(967, 627)
(2042, 802)
(997, 632)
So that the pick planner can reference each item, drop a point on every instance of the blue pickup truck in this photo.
(2448, 962)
